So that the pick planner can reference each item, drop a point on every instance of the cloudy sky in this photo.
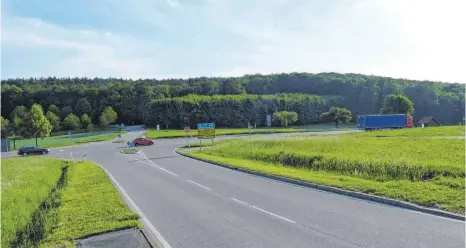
(415, 39)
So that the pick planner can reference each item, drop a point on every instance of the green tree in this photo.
(5, 127)
(86, 122)
(53, 119)
(336, 115)
(285, 117)
(54, 109)
(16, 117)
(65, 111)
(71, 122)
(82, 107)
(107, 117)
(35, 124)
(397, 104)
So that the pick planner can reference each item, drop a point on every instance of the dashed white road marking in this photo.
(167, 171)
(275, 215)
(263, 210)
(200, 185)
(236, 200)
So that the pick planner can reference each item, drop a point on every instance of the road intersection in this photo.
(196, 204)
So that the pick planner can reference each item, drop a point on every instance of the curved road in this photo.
(196, 204)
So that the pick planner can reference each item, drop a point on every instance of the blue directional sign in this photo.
(205, 125)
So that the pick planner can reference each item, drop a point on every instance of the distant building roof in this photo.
(427, 119)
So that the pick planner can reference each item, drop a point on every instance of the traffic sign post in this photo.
(205, 131)
(269, 120)
(158, 131)
(69, 135)
(186, 135)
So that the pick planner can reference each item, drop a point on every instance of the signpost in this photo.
(268, 119)
(158, 131)
(205, 131)
(186, 135)
(69, 135)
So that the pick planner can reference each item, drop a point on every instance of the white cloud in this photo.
(410, 39)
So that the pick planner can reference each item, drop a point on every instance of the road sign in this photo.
(187, 129)
(206, 130)
(69, 135)
(158, 127)
(205, 125)
(269, 120)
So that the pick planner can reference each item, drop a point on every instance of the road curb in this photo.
(360, 195)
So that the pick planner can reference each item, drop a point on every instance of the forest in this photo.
(231, 101)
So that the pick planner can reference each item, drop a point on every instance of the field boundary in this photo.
(355, 194)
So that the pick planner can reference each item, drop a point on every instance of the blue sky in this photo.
(415, 39)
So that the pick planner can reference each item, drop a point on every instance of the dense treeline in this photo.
(234, 110)
(360, 94)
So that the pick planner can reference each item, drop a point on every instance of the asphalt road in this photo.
(196, 204)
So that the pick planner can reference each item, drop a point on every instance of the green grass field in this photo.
(405, 165)
(153, 134)
(51, 203)
(63, 140)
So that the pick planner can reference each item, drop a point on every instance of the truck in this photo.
(389, 121)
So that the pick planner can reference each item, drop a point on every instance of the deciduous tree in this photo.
(336, 115)
(54, 120)
(35, 124)
(86, 122)
(397, 104)
(71, 122)
(285, 117)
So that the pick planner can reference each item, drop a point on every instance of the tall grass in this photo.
(382, 159)
(51, 203)
(26, 183)
(397, 165)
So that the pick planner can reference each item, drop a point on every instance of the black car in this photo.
(28, 150)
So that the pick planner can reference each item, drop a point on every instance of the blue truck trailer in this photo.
(392, 121)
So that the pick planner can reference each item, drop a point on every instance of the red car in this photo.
(143, 142)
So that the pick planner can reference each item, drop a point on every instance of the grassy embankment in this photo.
(153, 134)
(415, 165)
(48, 202)
(63, 140)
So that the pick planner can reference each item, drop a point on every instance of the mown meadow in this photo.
(52, 203)
(416, 165)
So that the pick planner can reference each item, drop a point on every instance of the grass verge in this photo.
(79, 202)
(130, 150)
(63, 140)
(428, 172)
(154, 134)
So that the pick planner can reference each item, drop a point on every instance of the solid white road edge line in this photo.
(136, 208)
(200, 185)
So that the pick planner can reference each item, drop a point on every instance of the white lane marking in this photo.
(236, 200)
(200, 185)
(160, 168)
(137, 209)
(263, 210)
(167, 171)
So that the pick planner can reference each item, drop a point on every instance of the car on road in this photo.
(143, 142)
(29, 150)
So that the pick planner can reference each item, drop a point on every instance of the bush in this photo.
(71, 122)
